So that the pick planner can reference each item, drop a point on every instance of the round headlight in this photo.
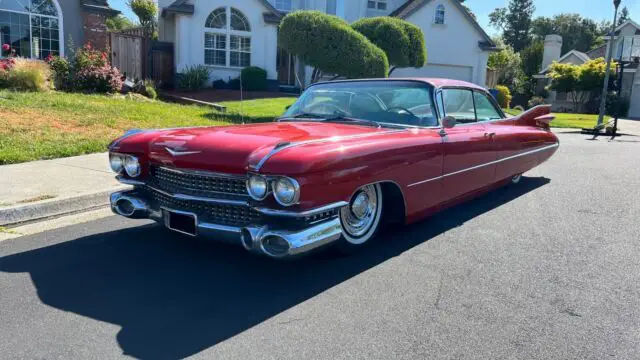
(257, 187)
(116, 162)
(286, 191)
(132, 166)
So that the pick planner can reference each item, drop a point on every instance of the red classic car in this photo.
(344, 159)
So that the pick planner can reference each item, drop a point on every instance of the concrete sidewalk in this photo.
(41, 189)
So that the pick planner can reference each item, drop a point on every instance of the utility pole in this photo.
(603, 100)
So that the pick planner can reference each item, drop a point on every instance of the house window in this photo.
(440, 14)
(377, 4)
(227, 38)
(31, 28)
(282, 5)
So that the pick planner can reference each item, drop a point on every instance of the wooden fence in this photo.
(138, 58)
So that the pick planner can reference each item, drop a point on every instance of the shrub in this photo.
(535, 101)
(61, 69)
(329, 44)
(104, 79)
(150, 89)
(402, 41)
(504, 96)
(616, 106)
(27, 75)
(220, 84)
(88, 57)
(234, 84)
(254, 79)
(193, 77)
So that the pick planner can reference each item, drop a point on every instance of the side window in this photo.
(459, 104)
(485, 109)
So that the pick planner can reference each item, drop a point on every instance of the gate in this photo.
(127, 53)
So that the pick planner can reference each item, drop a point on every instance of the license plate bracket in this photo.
(182, 222)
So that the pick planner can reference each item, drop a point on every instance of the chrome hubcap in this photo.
(516, 179)
(359, 216)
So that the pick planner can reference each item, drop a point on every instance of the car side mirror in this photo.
(448, 122)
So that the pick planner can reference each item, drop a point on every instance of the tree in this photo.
(330, 45)
(508, 65)
(119, 23)
(517, 23)
(577, 33)
(402, 41)
(531, 65)
(624, 16)
(580, 82)
(498, 18)
(146, 11)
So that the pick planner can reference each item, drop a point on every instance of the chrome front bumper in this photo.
(268, 239)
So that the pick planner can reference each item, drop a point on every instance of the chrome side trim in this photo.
(487, 164)
(312, 212)
(278, 149)
(198, 198)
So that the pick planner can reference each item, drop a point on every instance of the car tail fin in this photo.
(539, 116)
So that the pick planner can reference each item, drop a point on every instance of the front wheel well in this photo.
(393, 208)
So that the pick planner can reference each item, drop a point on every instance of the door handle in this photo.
(489, 134)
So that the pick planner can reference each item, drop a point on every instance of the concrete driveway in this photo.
(548, 269)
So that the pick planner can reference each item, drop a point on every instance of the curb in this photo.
(55, 207)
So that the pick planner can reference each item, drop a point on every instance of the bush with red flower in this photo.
(103, 79)
(88, 70)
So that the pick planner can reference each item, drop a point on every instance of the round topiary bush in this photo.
(402, 41)
(328, 43)
(254, 79)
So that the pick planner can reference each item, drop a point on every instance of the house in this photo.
(630, 88)
(230, 35)
(37, 28)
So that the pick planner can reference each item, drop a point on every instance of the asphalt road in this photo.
(549, 269)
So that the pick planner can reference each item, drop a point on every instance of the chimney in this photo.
(552, 50)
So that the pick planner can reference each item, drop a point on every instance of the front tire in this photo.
(361, 219)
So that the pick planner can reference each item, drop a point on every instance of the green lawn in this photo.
(568, 120)
(49, 125)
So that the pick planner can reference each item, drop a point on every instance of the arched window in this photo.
(227, 38)
(440, 14)
(33, 28)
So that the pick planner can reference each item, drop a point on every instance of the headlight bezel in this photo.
(135, 172)
(252, 194)
(296, 191)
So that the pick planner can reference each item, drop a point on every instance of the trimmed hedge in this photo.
(328, 43)
(402, 41)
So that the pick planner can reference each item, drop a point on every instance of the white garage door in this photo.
(464, 73)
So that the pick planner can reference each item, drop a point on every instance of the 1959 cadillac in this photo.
(344, 159)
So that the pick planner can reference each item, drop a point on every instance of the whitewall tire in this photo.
(361, 219)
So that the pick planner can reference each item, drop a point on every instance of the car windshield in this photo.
(393, 102)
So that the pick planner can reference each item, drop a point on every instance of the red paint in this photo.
(353, 156)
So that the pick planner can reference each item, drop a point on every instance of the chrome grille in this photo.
(231, 215)
(197, 183)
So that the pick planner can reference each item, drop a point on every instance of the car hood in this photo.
(234, 149)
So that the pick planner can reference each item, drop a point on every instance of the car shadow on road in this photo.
(174, 297)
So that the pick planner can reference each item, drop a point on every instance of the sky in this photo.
(594, 9)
